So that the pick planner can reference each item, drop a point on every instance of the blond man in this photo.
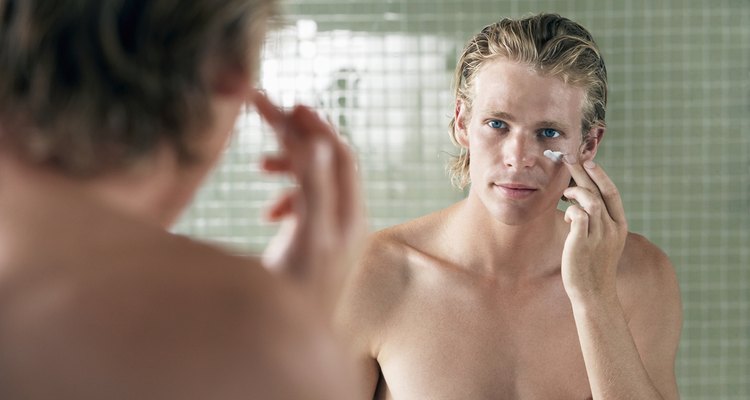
(502, 295)
(112, 113)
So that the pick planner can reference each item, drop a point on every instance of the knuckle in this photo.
(321, 150)
(577, 212)
(617, 230)
(584, 192)
(575, 192)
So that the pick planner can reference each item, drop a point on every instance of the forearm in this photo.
(613, 365)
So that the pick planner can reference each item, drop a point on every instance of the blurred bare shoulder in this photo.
(166, 318)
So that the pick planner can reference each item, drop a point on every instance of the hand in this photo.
(323, 222)
(598, 230)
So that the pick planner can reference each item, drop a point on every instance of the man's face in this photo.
(515, 115)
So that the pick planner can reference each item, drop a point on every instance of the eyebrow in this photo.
(545, 124)
(553, 125)
(499, 115)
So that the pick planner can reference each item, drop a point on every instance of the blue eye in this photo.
(496, 124)
(550, 133)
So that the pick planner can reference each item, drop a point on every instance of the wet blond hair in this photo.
(550, 44)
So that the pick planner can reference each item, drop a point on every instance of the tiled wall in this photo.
(678, 143)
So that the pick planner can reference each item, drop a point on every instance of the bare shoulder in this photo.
(650, 295)
(389, 254)
(648, 283)
(375, 283)
(644, 263)
(169, 317)
(382, 279)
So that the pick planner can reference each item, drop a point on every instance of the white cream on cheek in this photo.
(555, 156)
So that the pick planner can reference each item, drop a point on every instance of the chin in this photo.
(517, 214)
(510, 214)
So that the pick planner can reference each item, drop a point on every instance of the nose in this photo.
(519, 152)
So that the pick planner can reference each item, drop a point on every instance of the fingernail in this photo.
(589, 164)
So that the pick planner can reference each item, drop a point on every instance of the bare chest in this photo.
(476, 344)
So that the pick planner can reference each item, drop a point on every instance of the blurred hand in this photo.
(598, 230)
(323, 218)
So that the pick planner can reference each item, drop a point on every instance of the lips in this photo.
(515, 190)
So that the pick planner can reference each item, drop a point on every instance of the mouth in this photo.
(515, 190)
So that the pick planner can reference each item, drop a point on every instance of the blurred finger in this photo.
(267, 110)
(319, 191)
(274, 116)
(351, 204)
(344, 183)
(276, 164)
(306, 120)
(282, 207)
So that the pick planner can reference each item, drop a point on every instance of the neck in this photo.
(152, 190)
(494, 247)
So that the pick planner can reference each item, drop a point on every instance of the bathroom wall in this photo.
(678, 140)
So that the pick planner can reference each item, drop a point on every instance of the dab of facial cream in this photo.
(556, 156)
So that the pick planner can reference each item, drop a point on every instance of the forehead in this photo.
(516, 89)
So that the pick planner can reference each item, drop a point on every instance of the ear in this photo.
(591, 145)
(228, 79)
(459, 126)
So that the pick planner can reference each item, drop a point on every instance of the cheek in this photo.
(559, 179)
(477, 163)
(484, 144)
(483, 153)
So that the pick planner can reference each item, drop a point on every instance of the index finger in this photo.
(271, 113)
(609, 192)
(579, 174)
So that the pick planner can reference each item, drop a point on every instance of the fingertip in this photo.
(281, 208)
(271, 215)
(254, 93)
(258, 97)
(301, 110)
(589, 164)
(575, 211)
(275, 164)
(268, 111)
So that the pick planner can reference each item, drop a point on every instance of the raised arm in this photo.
(624, 358)
(323, 216)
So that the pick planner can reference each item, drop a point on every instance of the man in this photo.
(112, 112)
(502, 296)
